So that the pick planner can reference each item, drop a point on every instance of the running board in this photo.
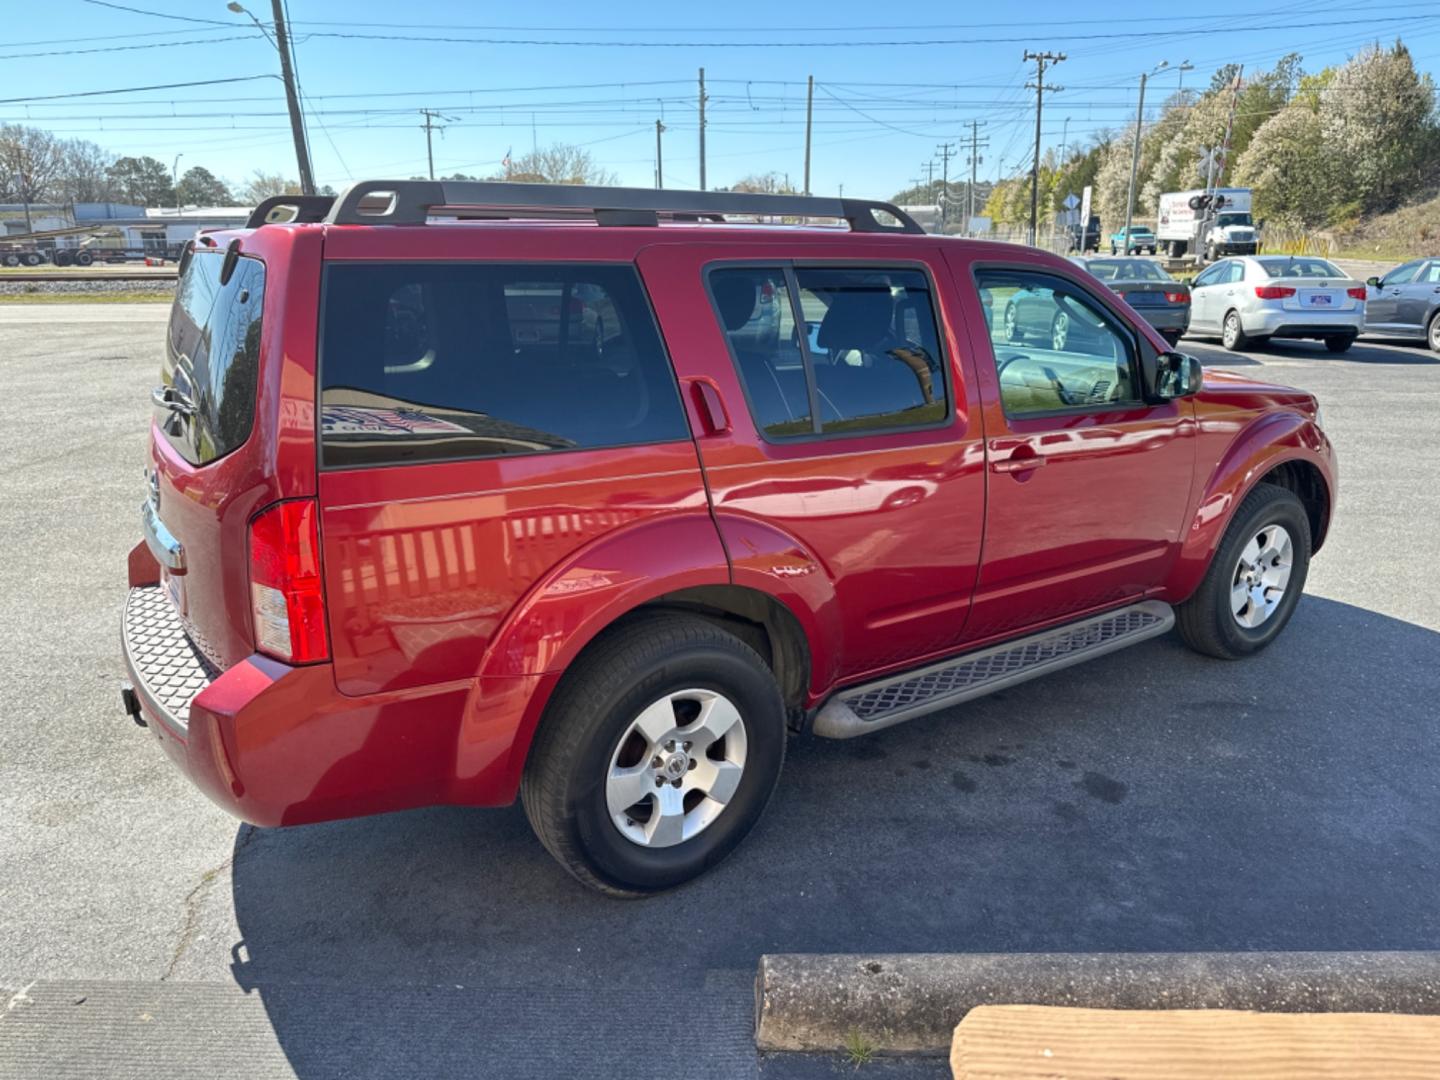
(872, 706)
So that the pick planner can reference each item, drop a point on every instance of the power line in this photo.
(134, 89)
(157, 14)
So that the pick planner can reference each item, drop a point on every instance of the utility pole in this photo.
(1135, 153)
(809, 114)
(1041, 59)
(945, 150)
(659, 161)
(702, 129)
(292, 99)
(430, 117)
(975, 161)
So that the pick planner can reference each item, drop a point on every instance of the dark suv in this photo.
(464, 491)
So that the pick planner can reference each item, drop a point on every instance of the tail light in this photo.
(1178, 297)
(286, 600)
(1273, 292)
(1357, 293)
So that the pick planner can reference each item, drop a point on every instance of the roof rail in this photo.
(411, 202)
(303, 208)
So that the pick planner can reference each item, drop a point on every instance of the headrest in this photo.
(735, 296)
(856, 320)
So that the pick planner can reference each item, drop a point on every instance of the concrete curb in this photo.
(910, 1004)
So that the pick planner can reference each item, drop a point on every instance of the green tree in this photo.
(1285, 165)
(142, 180)
(1377, 116)
(200, 187)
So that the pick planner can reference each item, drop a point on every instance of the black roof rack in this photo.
(271, 211)
(411, 202)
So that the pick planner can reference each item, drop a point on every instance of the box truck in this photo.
(1220, 226)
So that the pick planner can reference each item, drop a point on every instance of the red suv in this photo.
(459, 491)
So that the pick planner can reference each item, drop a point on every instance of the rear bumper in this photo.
(280, 745)
(1303, 324)
(1171, 320)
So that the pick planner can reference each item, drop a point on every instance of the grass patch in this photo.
(87, 298)
(858, 1049)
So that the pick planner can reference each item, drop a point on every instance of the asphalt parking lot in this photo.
(1153, 800)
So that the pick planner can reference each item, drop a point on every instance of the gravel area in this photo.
(164, 287)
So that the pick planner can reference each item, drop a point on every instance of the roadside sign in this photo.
(1071, 202)
(1085, 207)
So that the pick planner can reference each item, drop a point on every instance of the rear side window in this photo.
(833, 351)
(428, 362)
(212, 357)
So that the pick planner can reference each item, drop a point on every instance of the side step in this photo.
(872, 706)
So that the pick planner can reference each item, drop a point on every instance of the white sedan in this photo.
(1250, 299)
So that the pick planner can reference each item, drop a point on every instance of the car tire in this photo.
(1172, 337)
(30, 258)
(1339, 344)
(1210, 622)
(12, 260)
(600, 741)
(1432, 334)
(1232, 333)
(84, 258)
(1011, 322)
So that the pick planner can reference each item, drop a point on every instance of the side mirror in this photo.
(1373, 282)
(1174, 375)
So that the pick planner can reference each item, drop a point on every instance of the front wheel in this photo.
(1012, 322)
(1232, 333)
(1255, 577)
(656, 756)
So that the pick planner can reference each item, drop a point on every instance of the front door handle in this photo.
(1017, 463)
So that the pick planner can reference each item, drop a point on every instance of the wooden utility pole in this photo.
(1041, 59)
(975, 161)
(702, 129)
(292, 99)
(945, 150)
(430, 117)
(809, 115)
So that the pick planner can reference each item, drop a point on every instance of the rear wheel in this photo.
(31, 258)
(1059, 331)
(656, 756)
(12, 260)
(1339, 344)
(1232, 333)
(1433, 334)
(1255, 578)
(84, 258)
(1012, 322)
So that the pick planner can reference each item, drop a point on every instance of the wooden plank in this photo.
(1034, 1041)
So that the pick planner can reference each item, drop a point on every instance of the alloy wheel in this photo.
(676, 768)
(1261, 575)
(1060, 331)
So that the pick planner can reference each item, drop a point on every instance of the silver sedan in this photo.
(1250, 299)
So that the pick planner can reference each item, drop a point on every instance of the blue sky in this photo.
(882, 106)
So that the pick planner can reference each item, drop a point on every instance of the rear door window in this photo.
(833, 350)
(426, 362)
(212, 357)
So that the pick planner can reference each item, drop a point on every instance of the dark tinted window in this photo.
(861, 343)
(1055, 346)
(212, 357)
(422, 361)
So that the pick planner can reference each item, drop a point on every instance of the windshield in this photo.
(1225, 220)
(1303, 266)
(1127, 270)
(1139, 230)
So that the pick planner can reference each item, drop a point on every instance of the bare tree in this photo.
(559, 163)
(263, 185)
(30, 160)
(84, 173)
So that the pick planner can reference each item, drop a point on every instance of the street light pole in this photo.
(292, 97)
(175, 181)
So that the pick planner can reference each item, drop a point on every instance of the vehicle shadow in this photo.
(1152, 800)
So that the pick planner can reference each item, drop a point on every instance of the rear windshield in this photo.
(212, 357)
(1126, 270)
(1300, 266)
(427, 361)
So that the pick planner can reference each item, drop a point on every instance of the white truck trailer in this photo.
(1223, 227)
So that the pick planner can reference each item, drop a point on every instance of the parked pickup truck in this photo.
(1142, 240)
(447, 508)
